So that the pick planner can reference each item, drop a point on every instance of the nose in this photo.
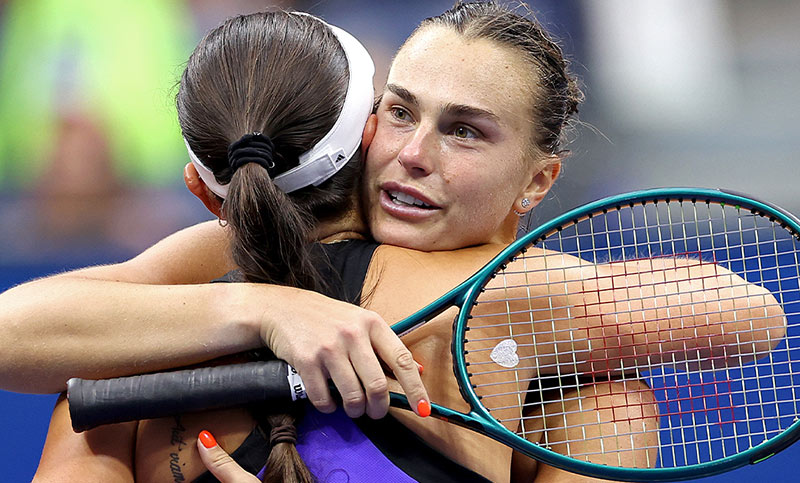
(416, 156)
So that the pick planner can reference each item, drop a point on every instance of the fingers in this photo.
(316, 383)
(351, 346)
(373, 380)
(353, 360)
(353, 366)
(349, 386)
(333, 360)
(219, 463)
(402, 364)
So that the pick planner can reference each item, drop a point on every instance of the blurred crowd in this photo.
(91, 153)
(90, 149)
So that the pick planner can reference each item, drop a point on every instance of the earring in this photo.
(524, 203)
(221, 219)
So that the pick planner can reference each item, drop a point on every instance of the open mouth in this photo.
(399, 198)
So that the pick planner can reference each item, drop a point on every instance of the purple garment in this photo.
(336, 451)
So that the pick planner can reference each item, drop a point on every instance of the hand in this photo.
(324, 338)
(219, 463)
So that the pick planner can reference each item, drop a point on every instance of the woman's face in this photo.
(450, 155)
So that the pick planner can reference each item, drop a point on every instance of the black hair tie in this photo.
(252, 148)
(283, 434)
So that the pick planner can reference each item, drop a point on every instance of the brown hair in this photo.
(283, 75)
(556, 96)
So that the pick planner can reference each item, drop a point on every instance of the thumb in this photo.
(219, 463)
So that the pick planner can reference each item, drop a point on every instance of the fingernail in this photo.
(420, 368)
(424, 408)
(208, 440)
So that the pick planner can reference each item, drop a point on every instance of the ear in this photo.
(539, 186)
(369, 134)
(198, 188)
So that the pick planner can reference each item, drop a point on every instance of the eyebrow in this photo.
(402, 93)
(458, 110)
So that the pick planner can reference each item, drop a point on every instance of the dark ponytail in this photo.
(269, 234)
(257, 92)
(284, 464)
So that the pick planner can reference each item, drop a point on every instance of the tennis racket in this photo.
(646, 336)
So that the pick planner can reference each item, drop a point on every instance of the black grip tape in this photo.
(94, 403)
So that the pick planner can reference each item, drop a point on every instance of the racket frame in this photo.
(466, 294)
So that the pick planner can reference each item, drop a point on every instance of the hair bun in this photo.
(252, 148)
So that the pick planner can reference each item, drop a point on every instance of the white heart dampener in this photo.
(505, 353)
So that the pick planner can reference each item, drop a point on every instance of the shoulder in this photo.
(193, 255)
(420, 277)
(464, 261)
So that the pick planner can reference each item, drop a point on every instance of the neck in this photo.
(507, 231)
(348, 226)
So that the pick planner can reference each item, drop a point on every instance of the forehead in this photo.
(440, 65)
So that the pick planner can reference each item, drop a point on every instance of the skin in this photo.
(444, 138)
(428, 147)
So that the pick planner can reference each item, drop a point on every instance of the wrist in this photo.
(241, 309)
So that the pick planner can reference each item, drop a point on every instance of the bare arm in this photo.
(141, 316)
(629, 314)
(105, 321)
(684, 310)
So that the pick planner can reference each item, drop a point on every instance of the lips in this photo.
(405, 202)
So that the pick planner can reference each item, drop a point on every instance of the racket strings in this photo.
(665, 318)
(645, 403)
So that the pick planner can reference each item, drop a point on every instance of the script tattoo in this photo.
(177, 441)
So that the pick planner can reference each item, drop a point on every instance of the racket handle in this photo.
(94, 403)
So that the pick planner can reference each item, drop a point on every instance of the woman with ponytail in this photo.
(259, 105)
(272, 107)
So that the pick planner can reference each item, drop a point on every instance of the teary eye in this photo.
(463, 132)
(400, 114)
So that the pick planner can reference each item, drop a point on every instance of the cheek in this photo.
(384, 146)
(475, 185)
(481, 203)
(377, 158)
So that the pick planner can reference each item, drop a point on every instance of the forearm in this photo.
(622, 315)
(90, 328)
(121, 319)
(671, 310)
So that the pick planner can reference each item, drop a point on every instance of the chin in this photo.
(404, 239)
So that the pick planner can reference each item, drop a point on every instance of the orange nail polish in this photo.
(420, 367)
(424, 408)
(208, 440)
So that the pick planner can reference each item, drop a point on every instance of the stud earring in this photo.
(524, 203)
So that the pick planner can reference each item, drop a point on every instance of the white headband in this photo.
(334, 150)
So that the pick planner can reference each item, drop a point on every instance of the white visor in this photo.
(334, 150)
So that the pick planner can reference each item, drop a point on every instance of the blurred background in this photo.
(679, 93)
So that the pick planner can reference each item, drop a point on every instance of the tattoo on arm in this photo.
(177, 441)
